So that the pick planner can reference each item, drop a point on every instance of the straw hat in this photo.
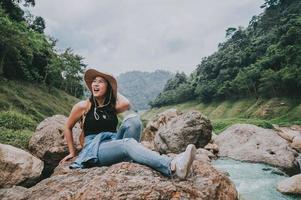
(90, 74)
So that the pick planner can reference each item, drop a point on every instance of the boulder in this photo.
(160, 120)
(188, 128)
(149, 145)
(18, 167)
(212, 147)
(133, 181)
(296, 143)
(204, 155)
(251, 143)
(14, 193)
(286, 132)
(290, 185)
(48, 144)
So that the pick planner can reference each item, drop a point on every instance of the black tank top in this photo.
(107, 120)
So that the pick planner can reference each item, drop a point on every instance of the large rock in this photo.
(286, 132)
(48, 144)
(251, 143)
(290, 185)
(18, 167)
(14, 193)
(133, 181)
(296, 143)
(188, 128)
(160, 120)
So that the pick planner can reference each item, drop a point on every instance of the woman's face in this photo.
(99, 86)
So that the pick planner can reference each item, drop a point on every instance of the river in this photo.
(254, 181)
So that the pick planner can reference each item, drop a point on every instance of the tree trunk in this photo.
(46, 75)
(2, 62)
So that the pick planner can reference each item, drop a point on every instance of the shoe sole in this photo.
(192, 151)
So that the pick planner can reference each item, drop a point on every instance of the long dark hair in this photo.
(109, 97)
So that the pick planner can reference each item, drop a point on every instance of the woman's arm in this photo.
(76, 113)
(122, 103)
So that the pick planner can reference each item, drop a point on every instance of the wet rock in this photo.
(251, 143)
(290, 185)
(18, 167)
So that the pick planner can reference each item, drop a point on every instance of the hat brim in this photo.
(91, 74)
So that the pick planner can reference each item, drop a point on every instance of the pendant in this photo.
(104, 116)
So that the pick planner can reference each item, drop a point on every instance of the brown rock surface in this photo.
(48, 144)
(160, 120)
(14, 193)
(188, 128)
(296, 143)
(134, 181)
(18, 167)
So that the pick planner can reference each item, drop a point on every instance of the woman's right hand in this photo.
(68, 157)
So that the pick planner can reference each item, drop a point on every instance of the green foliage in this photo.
(33, 101)
(262, 60)
(220, 125)
(177, 89)
(16, 121)
(261, 112)
(17, 138)
(29, 55)
(24, 105)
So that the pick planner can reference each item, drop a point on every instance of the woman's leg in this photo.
(129, 149)
(130, 128)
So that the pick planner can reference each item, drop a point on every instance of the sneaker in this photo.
(181, 164)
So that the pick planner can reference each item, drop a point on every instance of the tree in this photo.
(12, 8)
(230, 31)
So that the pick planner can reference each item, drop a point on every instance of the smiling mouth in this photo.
(95, 90)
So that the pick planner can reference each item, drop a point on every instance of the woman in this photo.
(102, 145)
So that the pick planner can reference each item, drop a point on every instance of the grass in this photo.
(23, 106)
(260, 112)
(17, 138)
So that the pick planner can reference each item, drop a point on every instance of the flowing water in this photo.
(254, 181)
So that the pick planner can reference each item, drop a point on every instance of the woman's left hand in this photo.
(68, 157)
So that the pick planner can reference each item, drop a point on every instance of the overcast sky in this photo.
(124, 35)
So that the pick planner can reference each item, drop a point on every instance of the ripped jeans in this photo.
(106, 148)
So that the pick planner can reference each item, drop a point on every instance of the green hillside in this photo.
(24, 105)
(262, 60)
(261, 112)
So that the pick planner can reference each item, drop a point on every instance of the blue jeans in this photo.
(106, 148)
(130, 128)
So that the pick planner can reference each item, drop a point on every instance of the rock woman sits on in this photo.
(103, 145)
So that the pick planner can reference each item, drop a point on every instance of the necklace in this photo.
(104, 114)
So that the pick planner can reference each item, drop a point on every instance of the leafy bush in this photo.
(16, 121)
(17, 138)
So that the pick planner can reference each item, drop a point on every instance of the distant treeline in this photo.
(262, 60)
(26, 53)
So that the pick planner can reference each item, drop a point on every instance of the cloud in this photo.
(123, 35)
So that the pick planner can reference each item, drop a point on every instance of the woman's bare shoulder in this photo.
(82, 105)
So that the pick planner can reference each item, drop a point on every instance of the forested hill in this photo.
(27, 54)
(142, 87)
(261, 60)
